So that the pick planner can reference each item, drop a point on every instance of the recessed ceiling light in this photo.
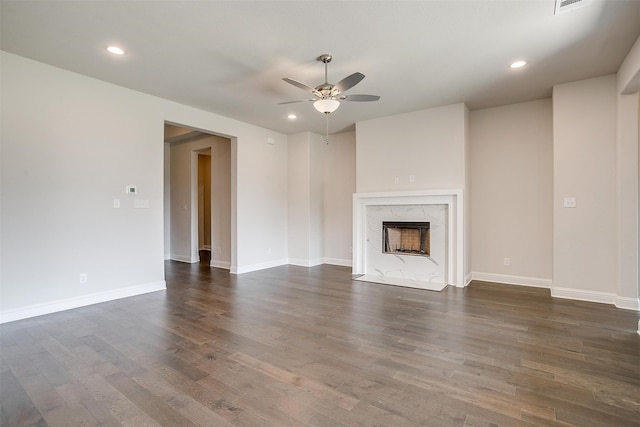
(518, 64)
(115, 50)
(292, 116)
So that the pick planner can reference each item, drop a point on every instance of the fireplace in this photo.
(442, 262)
(406, 238)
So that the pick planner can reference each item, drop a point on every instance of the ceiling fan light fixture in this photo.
(326, 105)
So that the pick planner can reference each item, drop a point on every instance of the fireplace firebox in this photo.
(406, 238)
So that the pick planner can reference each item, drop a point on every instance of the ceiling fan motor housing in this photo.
(328, 90)
(326, 58)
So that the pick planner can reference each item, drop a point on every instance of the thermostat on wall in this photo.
(131, 189)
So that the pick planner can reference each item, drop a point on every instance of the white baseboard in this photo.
(584, 295)
(259, 266)
(220, 264)
(305, 262)
(468, 278)
(512, 280)
(80, 301)
(182, 258)
(289, 261)
(625, 303)
(338, 261)
(628, 304)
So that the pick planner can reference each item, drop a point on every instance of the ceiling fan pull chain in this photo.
(326, 138)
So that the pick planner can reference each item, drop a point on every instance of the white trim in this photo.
(220, 264)
(627, 303)
(338, 261)
(258, 266)
(81, 301)
(535, 282)
(305, 262)
(468, 278)
(454, 200)
(187, 259)
(584, 295)
(624, 303)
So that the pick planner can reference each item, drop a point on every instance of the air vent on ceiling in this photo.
(567, 5)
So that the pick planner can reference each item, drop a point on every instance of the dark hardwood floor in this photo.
(311, 347)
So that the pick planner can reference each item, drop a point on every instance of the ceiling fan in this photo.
(327, 96)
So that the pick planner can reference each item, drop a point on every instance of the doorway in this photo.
(204, 206)
(198, 220)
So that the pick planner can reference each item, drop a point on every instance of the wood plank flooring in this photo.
(292, 346)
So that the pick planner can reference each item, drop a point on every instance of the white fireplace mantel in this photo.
(451, 198)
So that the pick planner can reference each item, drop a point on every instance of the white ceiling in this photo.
(229, 57)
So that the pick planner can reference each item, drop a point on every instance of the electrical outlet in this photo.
(83, 278)
(569, 202)
(507, 261)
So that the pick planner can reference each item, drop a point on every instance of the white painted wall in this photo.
(261, 200)
(183, 247)
(628, 79)
(306, 199)
(167, 201)
(317, 152)
(221, 202)
(298, 201)
(69, 148)
(431, 146)
(428, 144)
(181, 204)
(627, 184)
(629, 72)
(585, 244)
(512, 193)
(70, 145)
(467, 192)
(340, 184)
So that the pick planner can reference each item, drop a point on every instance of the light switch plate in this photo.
(141, 204)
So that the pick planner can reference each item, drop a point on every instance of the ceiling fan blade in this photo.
(349, 82)
(359, 98)
(302, 86)
(299, 100)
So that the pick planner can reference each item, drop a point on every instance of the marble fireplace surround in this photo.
(443, 207)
